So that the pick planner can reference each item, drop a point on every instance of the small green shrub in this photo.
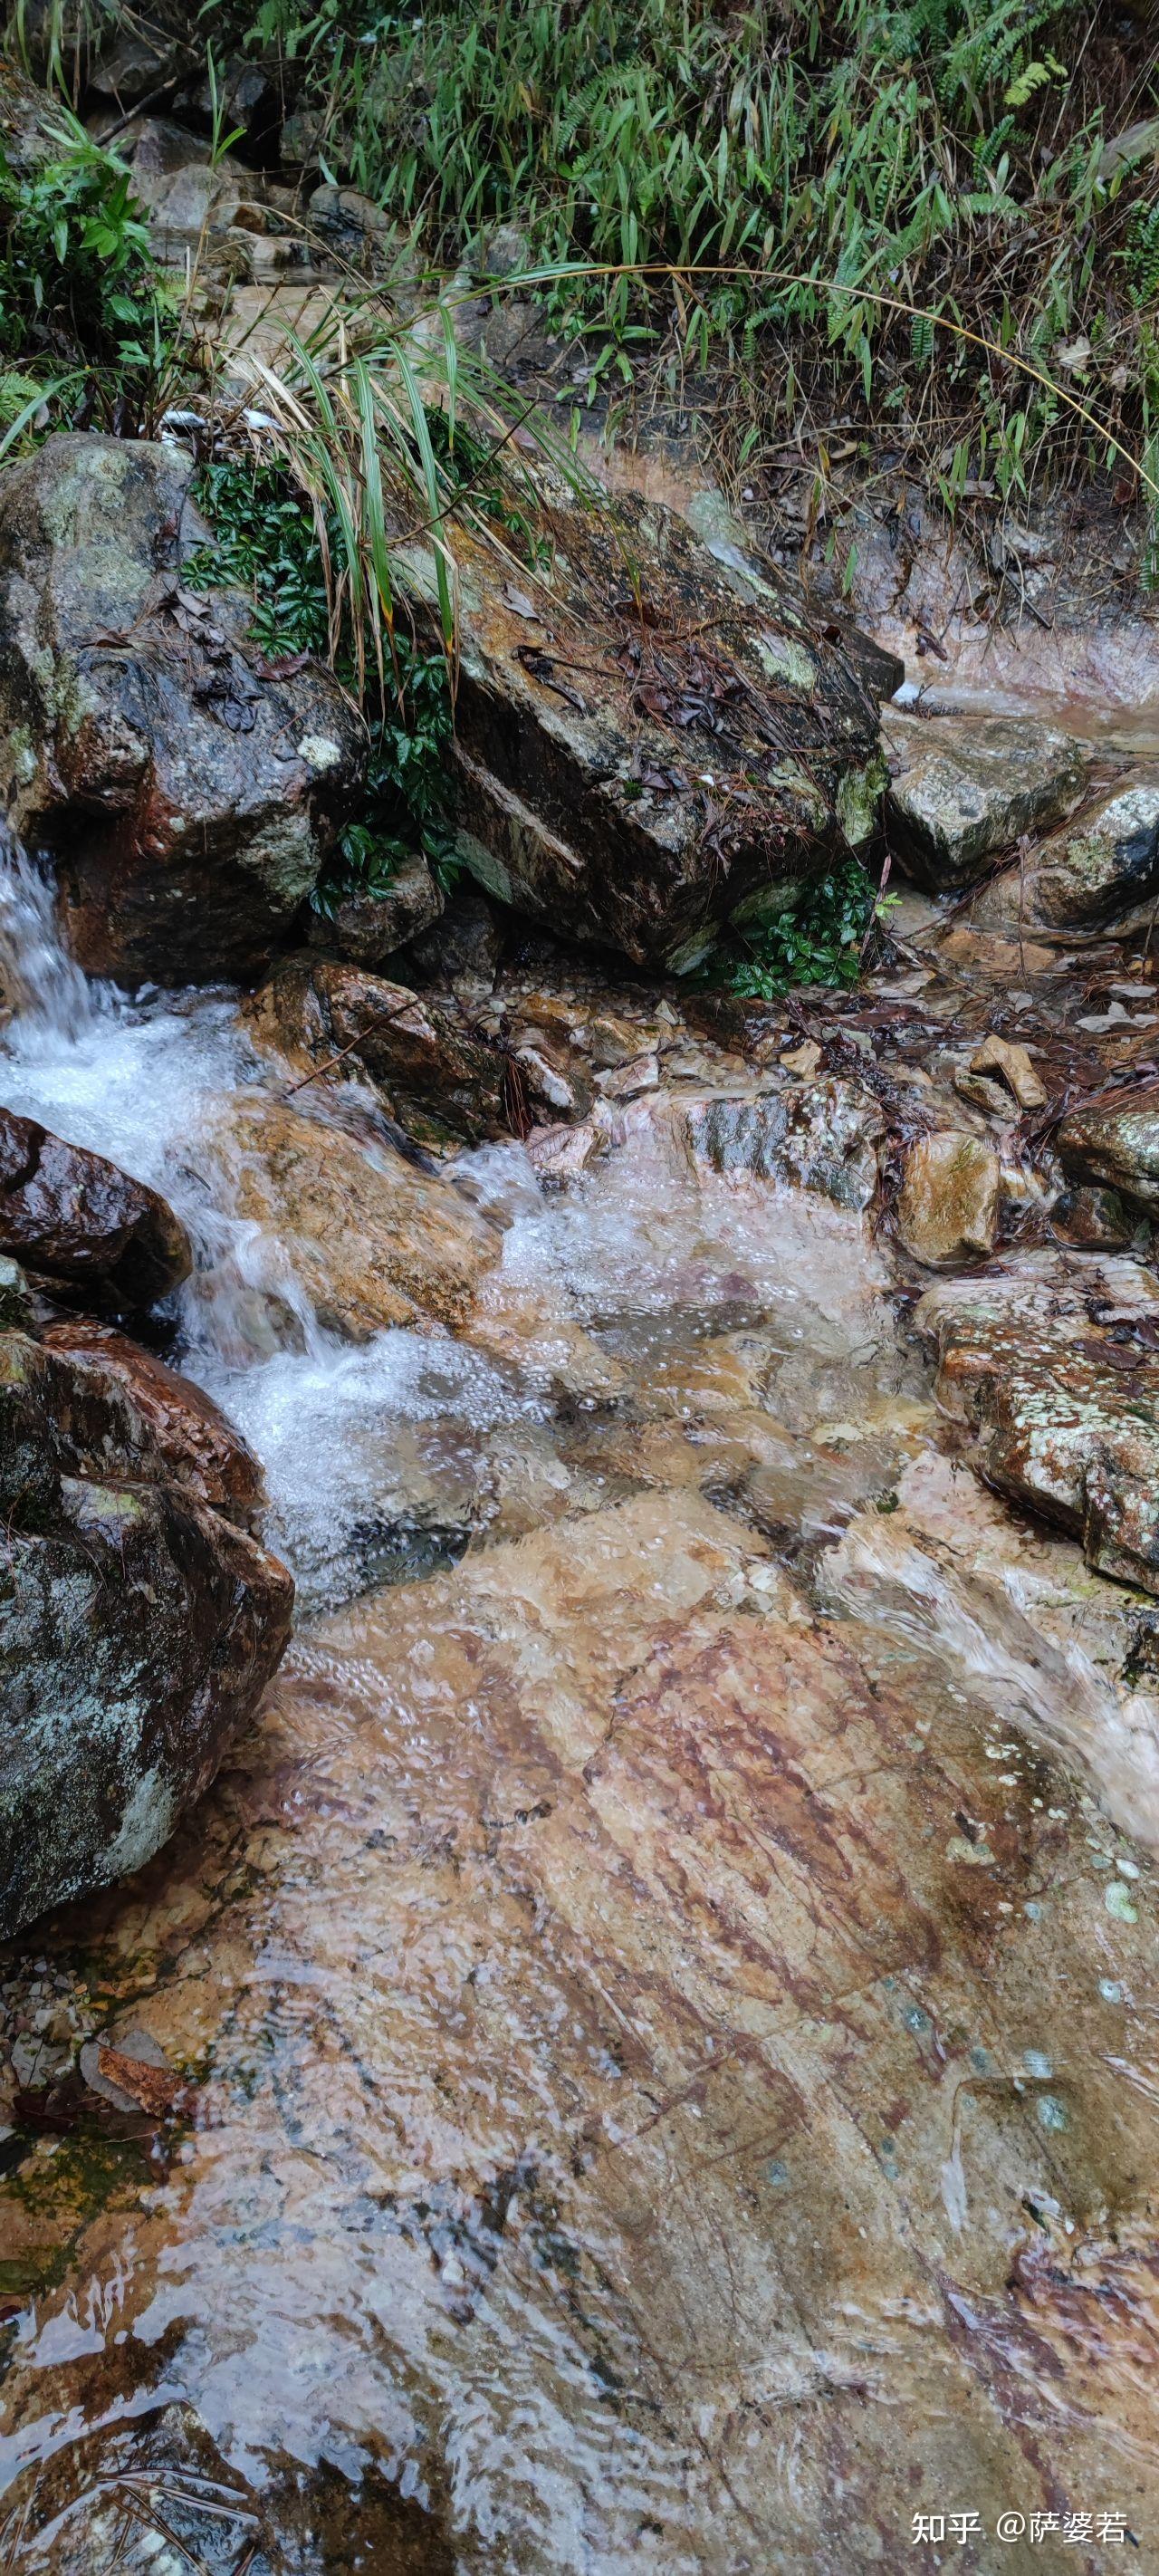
(818, 938)
(266, 544)
(78, 285)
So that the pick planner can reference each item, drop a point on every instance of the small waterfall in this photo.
(150, 1081)
(39, 981)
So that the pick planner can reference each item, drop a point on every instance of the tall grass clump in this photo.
(800, 171)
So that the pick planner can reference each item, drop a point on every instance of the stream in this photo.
(666, 1987)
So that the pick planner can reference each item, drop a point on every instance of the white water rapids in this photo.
(138, 1080)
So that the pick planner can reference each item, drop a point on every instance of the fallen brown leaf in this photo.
(156, 2088)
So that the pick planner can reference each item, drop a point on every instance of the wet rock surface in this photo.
(364, 929)
(190, 793)
(821, 1134)
(947, 1212)
(584, 723)
(960, 795)
(644, 2055)
(1101, 863)
(756, 2112)
(86, 1225)
(173, 1418)
(1055, 1365)
(1115, 1142)
(373, 1242)
(439, 1075)
(138, 1628)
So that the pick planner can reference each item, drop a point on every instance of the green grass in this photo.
(943, 155)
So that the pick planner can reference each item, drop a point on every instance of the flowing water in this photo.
(667, 1985)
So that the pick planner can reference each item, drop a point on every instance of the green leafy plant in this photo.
(77, 282)
(819, 937)
(268, 543)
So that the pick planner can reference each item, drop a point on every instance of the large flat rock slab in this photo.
(665, 2097)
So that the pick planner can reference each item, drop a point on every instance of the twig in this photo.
(381, 1021)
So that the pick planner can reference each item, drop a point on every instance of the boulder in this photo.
(138, 1628)
(365, 928)
(430, 1069)
(74, 1218)
(189, 796)
(198, 207)
(193, 203)
(1114, 1142)
(355, 227)
(169, 1417)
(136, 66)
(245, 97)
(1054, 1365)
(372, 1241)
(822, 1136)
(645, 736)
(960, 793)
(947, 1211)
(375, 1243)
(1097, 866)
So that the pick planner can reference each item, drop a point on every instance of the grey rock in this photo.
(303, 135)
(1106, 859)
(960, 793)
(503, 252)
(353, 223)
(1053, 1365)
(463, 947)
(1114, 1142)
(246, 99)
(190, 798)
(29, 127)
(822, 1137)
(621, 778)
(135, 66)
(138, 1628)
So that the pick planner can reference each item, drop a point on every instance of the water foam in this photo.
(141, 1080)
